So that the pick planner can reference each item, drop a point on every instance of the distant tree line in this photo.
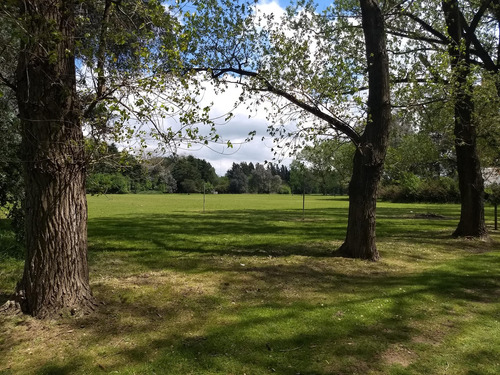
(119, 172)
(258, 179)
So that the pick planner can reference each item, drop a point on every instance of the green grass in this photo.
(250, 286)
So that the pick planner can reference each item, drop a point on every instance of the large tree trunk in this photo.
(360, 236)
(371, 151)
(55, 279)
(469, 169)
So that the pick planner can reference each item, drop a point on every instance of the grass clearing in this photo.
(250, 286)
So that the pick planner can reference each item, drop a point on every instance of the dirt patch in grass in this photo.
(399, 355)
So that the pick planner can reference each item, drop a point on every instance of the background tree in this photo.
(238, 180)
(468, 164)
(262, 181)
(421, 166)
(302, 180)
(487, 106)
(160, 174)
(222, 185)
(186, 173)
(279, 170)
(453, 43)
(192, 174)
(11, 176)
(331, 164)
(119, 172)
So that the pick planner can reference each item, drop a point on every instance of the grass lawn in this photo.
(250, 287)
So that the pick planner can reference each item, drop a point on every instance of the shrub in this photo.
(222, 186)
(108, 183)
(439, 190)
(410, 186)
(493, 193)
(412, 189)
(391, 193)
(284, 189)
(188, 186)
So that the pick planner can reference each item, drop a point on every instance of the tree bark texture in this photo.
(470, 178)
(56, 277)
(371, 150)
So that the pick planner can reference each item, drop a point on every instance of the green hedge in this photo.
(413, 189)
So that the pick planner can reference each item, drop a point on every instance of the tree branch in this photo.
(93, 104)
(101, 53)
(477, 17)
(427, 27)
(421, 104)
(268, 87)
(421, 38)
(471, 37)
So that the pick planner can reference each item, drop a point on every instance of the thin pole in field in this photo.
(303, 204)
(496, 216)
(203, 197)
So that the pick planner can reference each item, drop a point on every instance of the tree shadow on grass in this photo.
(54, 367)
(292, 319)
(313, 316)
(308, 318)
(275, 233)
(250, 231)
(4, 297)
(188, 239)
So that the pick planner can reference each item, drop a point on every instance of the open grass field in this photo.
(250, 287)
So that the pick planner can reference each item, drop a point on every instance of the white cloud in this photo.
(267, 8)
(235, 130)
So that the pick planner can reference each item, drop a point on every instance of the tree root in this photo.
(11, 307)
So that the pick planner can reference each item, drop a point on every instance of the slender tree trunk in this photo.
(55, 279)
(468, 165)
(370, 154)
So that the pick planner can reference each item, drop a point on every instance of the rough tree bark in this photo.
(371, 150)
(470, 179)
(56, 278)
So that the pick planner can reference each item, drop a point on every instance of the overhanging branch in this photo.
(334, 122)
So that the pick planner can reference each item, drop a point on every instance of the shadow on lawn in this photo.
(317, 316)
(265, 233)
(268, 322)
(4, 297)
(249, 232)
